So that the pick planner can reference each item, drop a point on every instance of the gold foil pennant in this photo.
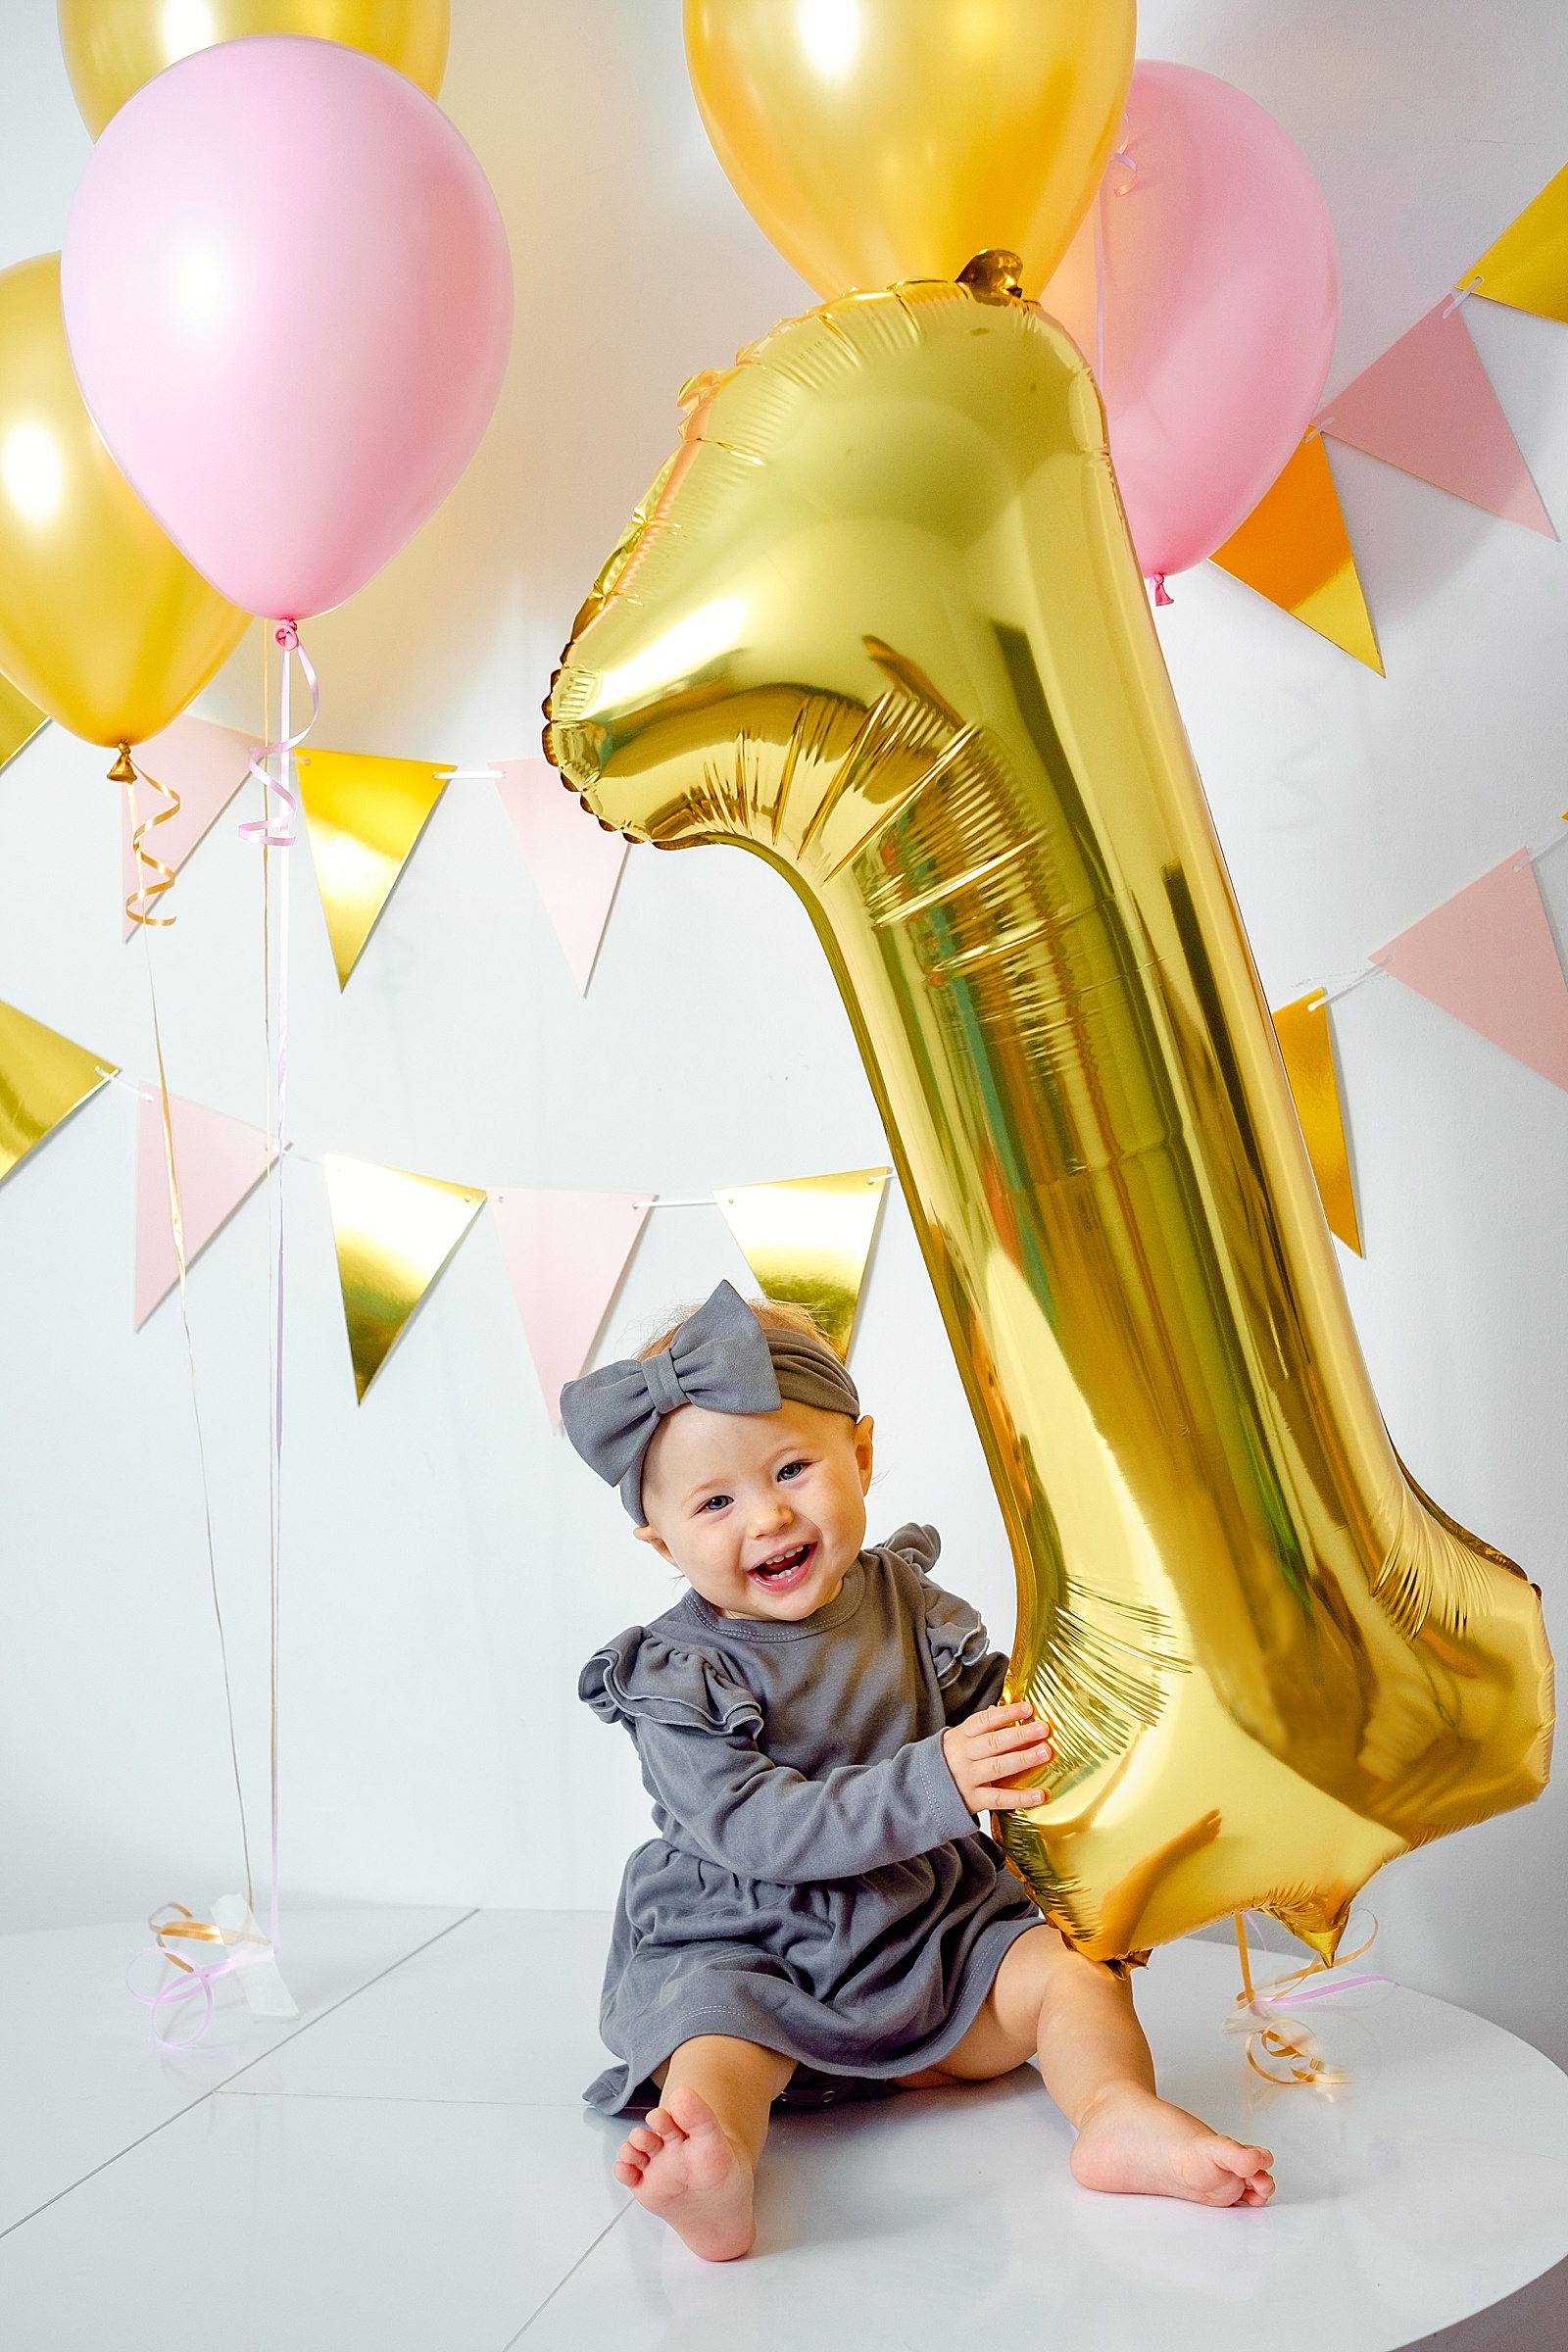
(1528, 266)
(1307, 1046)
(19, 719)
(1293, 549)
(808, 1240)
(394, 1233)
(43, 1079)
(363, 816)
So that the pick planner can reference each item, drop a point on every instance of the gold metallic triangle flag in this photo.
(394, 1233)
(363, 816)
(1293, 549)
(1528, 266)
(808, 1240)
(43, 1078)
(19, 719)
(1307, 1046)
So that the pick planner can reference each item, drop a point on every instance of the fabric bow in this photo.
(718, 1359)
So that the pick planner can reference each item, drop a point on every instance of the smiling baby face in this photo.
(763, 1513)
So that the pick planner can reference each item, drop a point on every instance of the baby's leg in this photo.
(693, 2161)
(1096, 2065)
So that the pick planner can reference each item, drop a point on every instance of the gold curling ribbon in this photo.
(172, 1923)
(1296, 2051)
(125, 771)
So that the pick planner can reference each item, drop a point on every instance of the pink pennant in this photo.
(1489, 958)
(218, 1160)
(574, 864)
(565, 1253)
(205, 764)
(1426, 406)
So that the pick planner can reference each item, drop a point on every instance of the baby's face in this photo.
(763, 1513)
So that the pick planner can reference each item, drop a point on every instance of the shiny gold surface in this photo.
(103, 623)
(1306, 1049)
(393, 1233)
(875, 140)
(112, 46)
(363, 816)
(43, 1078)
(808, 1240)
(19, 721)
(883, 628)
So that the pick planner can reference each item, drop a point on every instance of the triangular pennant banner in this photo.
(43, 1079)
(565, 1253)
(394, 1233)
(19, 719)
(1426, 406)
(1306, 1047)
(1294, 550)
(808, 1240)
(363, 816)
(1528, 266)
(217, 1160)
(574, 864)
(205, 764)
(1487, 956)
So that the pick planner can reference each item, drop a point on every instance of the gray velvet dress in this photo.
(816, 1885)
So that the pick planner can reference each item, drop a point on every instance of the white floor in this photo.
(409, 2168)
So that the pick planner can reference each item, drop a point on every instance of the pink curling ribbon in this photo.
(194, 1975)
(275, 830)
(1295, 2051)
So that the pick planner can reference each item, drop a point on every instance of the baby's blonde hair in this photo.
(773, 1315)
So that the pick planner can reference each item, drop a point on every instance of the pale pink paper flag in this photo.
(575, 865)
(1426, 406)
(205, 764)
(565, 1253)
(218, 1160)
(1489, 958)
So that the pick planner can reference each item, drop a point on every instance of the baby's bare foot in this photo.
(681, 2164)
(1135, 2143)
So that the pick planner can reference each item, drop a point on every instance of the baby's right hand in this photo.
(994, 1747)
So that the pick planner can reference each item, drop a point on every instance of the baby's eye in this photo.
(793, 1469)
(716, 1503)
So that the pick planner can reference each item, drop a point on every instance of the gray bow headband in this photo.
(721, 1359)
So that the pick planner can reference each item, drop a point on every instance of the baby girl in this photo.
(820, 1916)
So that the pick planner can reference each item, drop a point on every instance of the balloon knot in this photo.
(123, 771)
(1162, 595)
(995, 275)
(287, 635)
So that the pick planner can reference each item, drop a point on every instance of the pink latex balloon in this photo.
(288, 299)
(1218, 310)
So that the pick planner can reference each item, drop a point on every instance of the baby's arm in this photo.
(726, 1799)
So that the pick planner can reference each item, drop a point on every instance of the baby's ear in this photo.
(649, 1535)
(864, 1432)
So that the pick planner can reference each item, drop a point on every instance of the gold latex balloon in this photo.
(103, 623)
(877, 139)
(881, 625)
(112, 46)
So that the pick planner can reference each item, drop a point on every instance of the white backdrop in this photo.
(447, 1565)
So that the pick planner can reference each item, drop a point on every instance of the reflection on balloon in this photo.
(875, 140)
(112, 46)
(103, 623)
(939, 710)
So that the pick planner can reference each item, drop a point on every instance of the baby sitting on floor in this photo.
(820, 1916)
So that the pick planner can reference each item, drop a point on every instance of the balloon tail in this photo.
(1162, 595)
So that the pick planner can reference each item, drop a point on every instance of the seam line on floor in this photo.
(614, 2223)
(213, 2089)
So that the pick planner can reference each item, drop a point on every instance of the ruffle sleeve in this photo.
(954, 1632)
(641, 1678)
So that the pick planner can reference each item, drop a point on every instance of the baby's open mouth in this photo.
(785, 1569)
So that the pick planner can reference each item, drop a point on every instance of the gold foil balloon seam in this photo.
(880, 625)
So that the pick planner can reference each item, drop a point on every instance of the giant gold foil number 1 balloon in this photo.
(879, 623)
